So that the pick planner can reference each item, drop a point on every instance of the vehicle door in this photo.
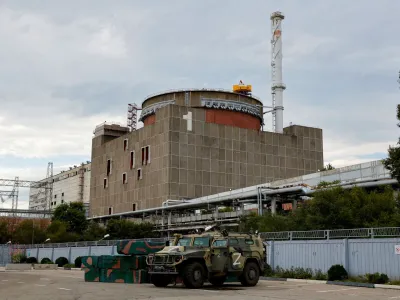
(219, 255)
(236, 255)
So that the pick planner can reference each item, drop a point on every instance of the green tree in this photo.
(4, 235)
(58, 233)
(94, 232)
(27, 232)
(72, 214)
(124, 229)
(392, 163)
(334, 208)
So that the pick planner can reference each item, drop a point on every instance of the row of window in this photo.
(55, 202)
(62, 195)
(145, 161)
(111, 209)
(124, 178)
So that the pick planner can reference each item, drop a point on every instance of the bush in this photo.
(31, 260)
(298, 273)
(78, 262)
(377, 278)
(337, 272)
(268, 270)
(46, 260)
(69, 266)
(319, 275)
(61, 261)
(18, 258)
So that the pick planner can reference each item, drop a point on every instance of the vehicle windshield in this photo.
(201, 242)
(184, 242)
(220, 243)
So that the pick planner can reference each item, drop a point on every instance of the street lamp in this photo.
(104, 237)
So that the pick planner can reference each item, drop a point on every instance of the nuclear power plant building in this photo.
(194, 143)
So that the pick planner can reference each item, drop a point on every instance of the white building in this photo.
(72, 185)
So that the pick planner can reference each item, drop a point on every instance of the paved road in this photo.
(69, 285)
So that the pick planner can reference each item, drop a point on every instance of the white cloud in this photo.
(64, 70)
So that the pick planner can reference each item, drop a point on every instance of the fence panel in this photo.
(46, 252)
(78, 251)
(316, 255)
(374, 255)
(5, 255)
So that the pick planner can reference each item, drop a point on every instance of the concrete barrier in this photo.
(45, 266)
(18, 267)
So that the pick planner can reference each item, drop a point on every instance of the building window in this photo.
(62, 201)
(139, 174)
(145, 155)
(110, 210)
(125, 144)
(132, 162)
(134, 207)
(105, 183)
(62, 194)
(108, 167)
(124, 180)
(55, 196)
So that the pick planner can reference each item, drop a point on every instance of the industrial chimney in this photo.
(277, 86)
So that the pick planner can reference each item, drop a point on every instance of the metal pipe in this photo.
(365, 184)
(242, 194)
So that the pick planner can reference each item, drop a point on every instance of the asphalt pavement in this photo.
(66, 285)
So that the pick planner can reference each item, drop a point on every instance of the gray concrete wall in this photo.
(206, 160)
(358, 256)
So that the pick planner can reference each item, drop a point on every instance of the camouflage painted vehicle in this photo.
(211, 256)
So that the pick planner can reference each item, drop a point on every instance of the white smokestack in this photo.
(277, 86)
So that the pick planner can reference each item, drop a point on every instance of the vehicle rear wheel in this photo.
(193, 275)
(160, 280)
(217, 281)
(251, 274)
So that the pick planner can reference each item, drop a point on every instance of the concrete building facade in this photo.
(194, 143)
(72, 185)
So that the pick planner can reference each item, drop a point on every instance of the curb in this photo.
(355, 284)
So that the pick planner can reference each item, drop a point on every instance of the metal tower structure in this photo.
(132, 116)
(277, 86)
(49, 186)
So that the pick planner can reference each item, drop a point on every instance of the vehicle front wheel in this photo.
(251, 274)
(160, 280)
(193, 275)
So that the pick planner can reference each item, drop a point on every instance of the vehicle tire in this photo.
(160, 280)
(217, 281)
(251, 274)
(193, 275)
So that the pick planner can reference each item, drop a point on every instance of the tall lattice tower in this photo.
(49, 186)
(277, 86)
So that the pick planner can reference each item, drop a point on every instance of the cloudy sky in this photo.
(66, 66)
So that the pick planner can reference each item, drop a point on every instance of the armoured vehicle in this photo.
(213, 256)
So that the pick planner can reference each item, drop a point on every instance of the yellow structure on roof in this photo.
(242, 88)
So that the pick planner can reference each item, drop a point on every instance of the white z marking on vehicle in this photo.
(236, 262)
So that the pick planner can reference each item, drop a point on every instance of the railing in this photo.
(383, 232)
(84, 243)
(197, 89)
